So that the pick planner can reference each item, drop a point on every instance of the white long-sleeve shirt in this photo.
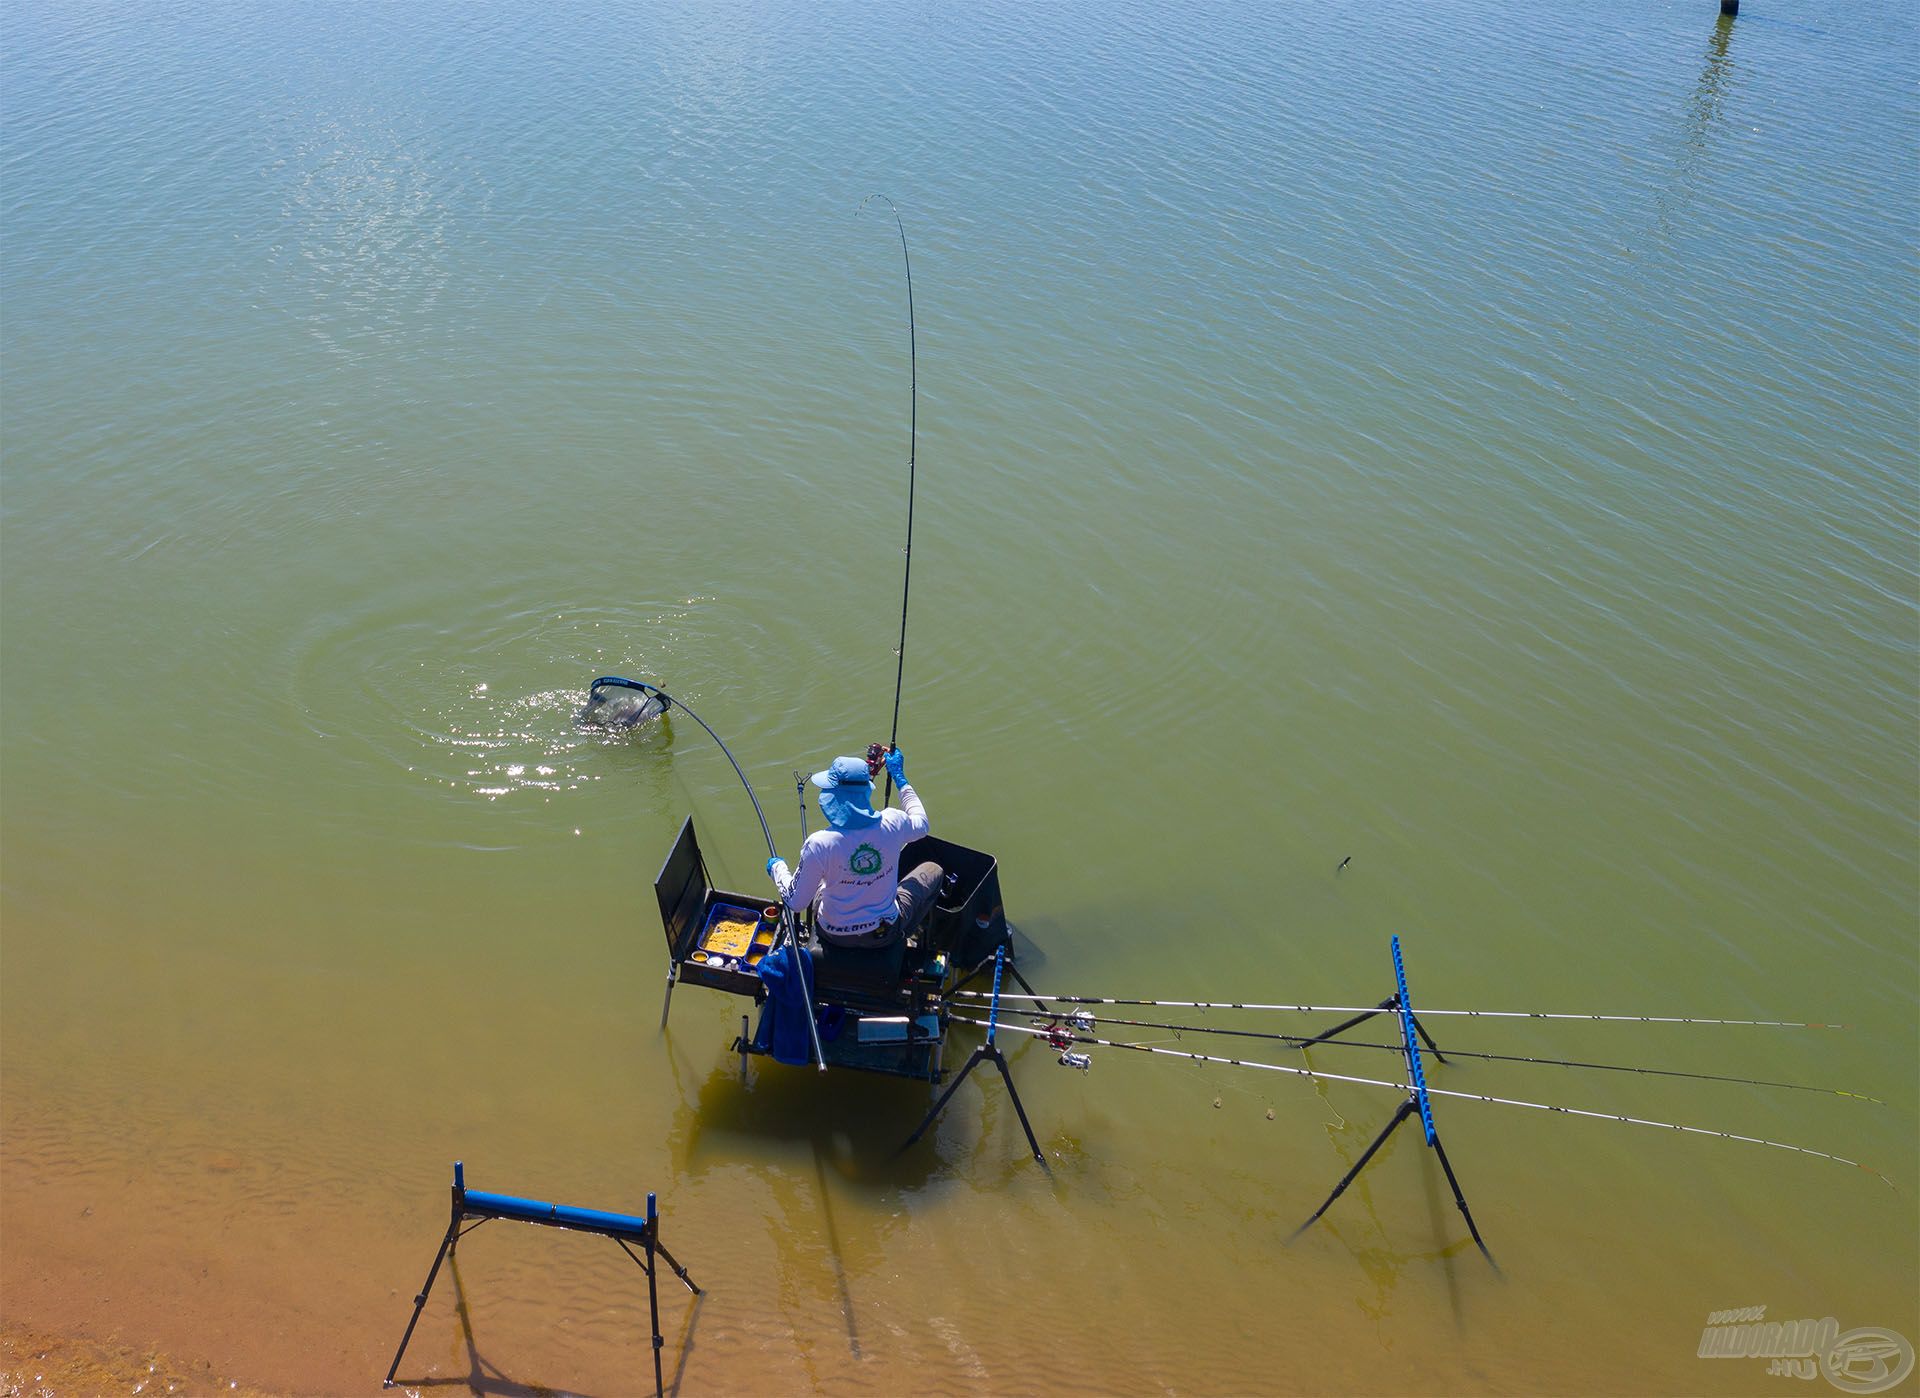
(853, 873)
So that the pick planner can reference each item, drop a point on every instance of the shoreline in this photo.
(36, 1362)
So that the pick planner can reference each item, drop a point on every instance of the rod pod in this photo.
(1400, 1004)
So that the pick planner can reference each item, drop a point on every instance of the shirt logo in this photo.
(866, 861)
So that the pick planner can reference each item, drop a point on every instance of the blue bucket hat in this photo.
(846, 794)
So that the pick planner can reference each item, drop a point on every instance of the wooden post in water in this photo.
(1729, 8)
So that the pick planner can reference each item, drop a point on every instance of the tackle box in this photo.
(715, 936)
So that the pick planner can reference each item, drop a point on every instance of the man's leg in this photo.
(915, 896)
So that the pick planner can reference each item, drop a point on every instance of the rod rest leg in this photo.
(1406, 1110)
(968, 979)
(973, 1062)
(986, 1053)
(1461, 1200)
(678, 1270)
(420, 1301)
(1014, 971)
(1000, 1062)
(1427, 1039)
(1344, 1025)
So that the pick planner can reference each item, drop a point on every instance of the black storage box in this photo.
(968, 921)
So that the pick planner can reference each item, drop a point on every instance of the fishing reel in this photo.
(1061, 1028)
(1059, 1033)
(876, 758)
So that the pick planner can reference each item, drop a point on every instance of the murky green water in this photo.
(1477, 440)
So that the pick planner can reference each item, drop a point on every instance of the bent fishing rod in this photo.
(1378, 1009)
(913, 439)
(788, 921)
(667, 701)
(1055, 1036)
(1086, 1021)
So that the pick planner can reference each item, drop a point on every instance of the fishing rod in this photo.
(667, 701)
(788, 922)
(1056, 1036)
(1376, 1009)
(913, 438)
(1295, 1041)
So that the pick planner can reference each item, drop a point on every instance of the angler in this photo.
(849, 874)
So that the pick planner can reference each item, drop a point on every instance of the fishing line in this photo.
(1380, 1009)
(1297, 1041)
(913, 438)
(670, 702)
(1445, 1092)
(789, 920)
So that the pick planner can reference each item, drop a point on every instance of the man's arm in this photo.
(799, 888)
(915, 810)
(910, 803)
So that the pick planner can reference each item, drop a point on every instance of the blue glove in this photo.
(897, 767)
(770, 863)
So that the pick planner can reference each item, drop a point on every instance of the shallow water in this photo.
(1479, 442)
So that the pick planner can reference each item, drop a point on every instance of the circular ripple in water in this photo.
(480, 694)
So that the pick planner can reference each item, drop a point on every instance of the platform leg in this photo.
(420, 1301)
(1406, 1110)
(666, 1004)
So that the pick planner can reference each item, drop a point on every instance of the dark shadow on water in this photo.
(481, 1377)
(1703, 115)
(686, 1345)
(833, 1252)
(857, 1120)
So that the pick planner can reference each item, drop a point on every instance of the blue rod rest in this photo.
(476, 1204)
(480, 1206)
(993, 1006)
(1412, 1042)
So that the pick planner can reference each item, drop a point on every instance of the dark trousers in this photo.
(913, 898)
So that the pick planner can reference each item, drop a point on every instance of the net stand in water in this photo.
(1412, 1034)
(471, 1208)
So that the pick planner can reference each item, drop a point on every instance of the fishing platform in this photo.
(879, 1009)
